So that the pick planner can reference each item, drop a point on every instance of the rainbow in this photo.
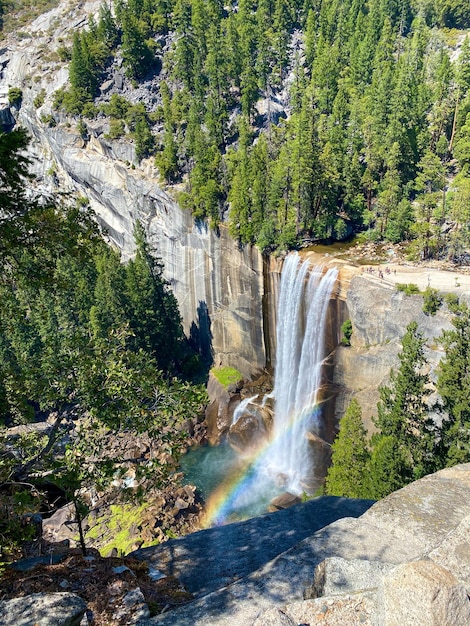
(223, 500)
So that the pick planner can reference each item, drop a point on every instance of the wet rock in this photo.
(219, 413)
(248, 433)
(284, 501)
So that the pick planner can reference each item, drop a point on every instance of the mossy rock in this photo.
(227, 376)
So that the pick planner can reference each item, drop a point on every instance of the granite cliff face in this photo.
(219, 287)
(379, 315)
(227, 295)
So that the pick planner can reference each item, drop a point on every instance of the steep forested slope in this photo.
(292, 120)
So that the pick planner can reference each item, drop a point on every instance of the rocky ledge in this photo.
(402, 561)
(405, 561)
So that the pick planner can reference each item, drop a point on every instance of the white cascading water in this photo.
(242, 408)
(284, 462)
(301, 320)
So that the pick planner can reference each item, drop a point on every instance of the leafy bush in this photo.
(409, 289)
(227, 375)
(346, 330)
(15, 96)
(116, 129)
(64, 53)
(49, 120)
(39, 99)
(432, 301)
(452, 301)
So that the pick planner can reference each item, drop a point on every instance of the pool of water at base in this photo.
(238, 488)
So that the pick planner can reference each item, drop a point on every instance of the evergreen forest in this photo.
(93, 346)
(289, 121)
(293, 121)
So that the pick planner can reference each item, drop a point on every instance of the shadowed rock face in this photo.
(211, 559)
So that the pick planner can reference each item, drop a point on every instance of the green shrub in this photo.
(432, 301)
(452, 301)
(116, 129)
(409, 289)
(64, 54)
(89, 111)
(15, 96)
(39, 99)
(346, 330)
(49, 120)
(82, 129)
(82, 201)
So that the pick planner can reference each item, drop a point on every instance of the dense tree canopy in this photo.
(95, 345)
(373, 110)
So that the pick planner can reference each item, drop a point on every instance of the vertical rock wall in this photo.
(219, 286)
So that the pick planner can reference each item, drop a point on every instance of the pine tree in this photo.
(453, 384)
(347, 475)
(403, 412)
(152, 307)
(386, 467)
(136, 53)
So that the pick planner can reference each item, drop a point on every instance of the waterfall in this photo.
(284, 460)
(301, 320)
(242, 408)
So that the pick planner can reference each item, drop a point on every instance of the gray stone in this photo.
(61, 525)
(454, 553)
(274, 617)
(421, 515)
(133, 608)
(345, 610)
(43, 609)
(423, 593)
(336, 575)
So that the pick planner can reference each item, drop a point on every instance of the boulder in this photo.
(43, 609)
(248, 433)
(454, 553)
(219, 413)
(423, 593)
(284, 501)
(345, 610)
